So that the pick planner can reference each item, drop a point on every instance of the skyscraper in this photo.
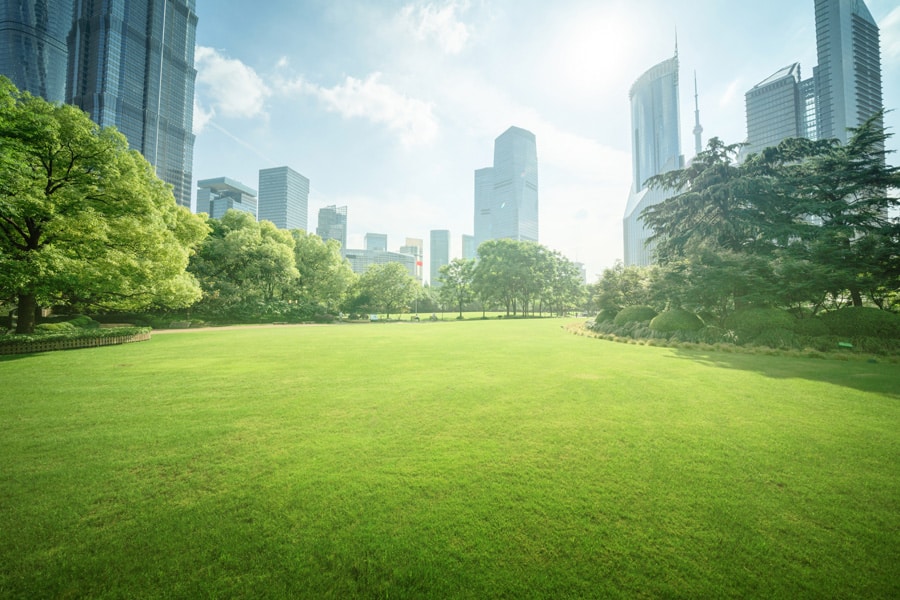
(776, 110)
(439, 254)
(33, 50)
(506, 196)
(218, 195)
(848, 76)
(376, 241)
(415, 247)
(468, 246)
(131, 64)
(283, 197)
(333, 224)
(655, 149)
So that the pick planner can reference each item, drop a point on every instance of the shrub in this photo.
(84, 322)
(606, 315)
(811, 326)
(862, 321)
(676, 320)
(55, 327)
(749, 323)
(634, 314)
(777, 338)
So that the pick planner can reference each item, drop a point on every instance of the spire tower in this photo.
(698, 129)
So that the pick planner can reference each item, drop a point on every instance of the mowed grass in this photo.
(476, 459)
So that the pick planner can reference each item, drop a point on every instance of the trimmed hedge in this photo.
(811, 326)
(676, 320)
(863, 321)
(607, 315)
(75, 338)
(749, 323)
(634, 314)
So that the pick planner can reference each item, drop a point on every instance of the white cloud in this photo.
(890, 36)
(371, 99)
(226, 87)
(438, 22)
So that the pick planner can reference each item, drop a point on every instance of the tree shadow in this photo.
(877, 376)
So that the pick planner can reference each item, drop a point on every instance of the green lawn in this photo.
(475, 459)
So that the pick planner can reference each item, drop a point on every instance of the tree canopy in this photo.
(83, 219)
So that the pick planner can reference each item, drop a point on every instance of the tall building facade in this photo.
(415, 247)
(848, 76)
(655, 149)
(333, 224)
(33, 45)
(439, 254)
(776, 109)
(131, 65)
(283, 197)
(506, 195)
(468, 246)
(220, 194)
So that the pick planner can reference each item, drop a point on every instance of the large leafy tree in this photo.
(456, 282)
(325, 277)
(83, 219)
(388, 288)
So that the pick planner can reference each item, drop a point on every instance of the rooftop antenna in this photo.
(698, 129)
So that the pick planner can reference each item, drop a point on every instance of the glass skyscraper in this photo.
(283, 197)
(655, 149)
(131, 64)
(220, 194)
(848, 76)
(776, 110)
(33, 46)
(439, 254)
(506, 195)
(333, 224)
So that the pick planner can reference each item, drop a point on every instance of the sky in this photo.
(389, 107)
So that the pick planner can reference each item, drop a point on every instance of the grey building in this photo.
(376, 241)
(33, 45)
(848, 76)
(283, 198)
(415, 247)
(218, 195)
(776, 109)
(333, 224)
(361, 259)
(131, 65)
(468, 247)
(439, 254)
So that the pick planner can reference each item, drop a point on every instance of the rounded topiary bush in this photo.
(606, 315)
(783, 339)
(84, 322)
(749, 323)
(863, 321)
(676, 320)
(634, 314)
(55, 327)
(811, 326)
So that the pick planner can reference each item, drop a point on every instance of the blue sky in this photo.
(388, 107)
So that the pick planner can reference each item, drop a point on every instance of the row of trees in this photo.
(806, 224)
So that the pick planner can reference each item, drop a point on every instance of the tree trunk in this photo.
(856, 297)
(27, 310)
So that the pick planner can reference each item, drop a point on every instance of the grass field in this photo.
(476, 459)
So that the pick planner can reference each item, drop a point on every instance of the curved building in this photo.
(655, 149)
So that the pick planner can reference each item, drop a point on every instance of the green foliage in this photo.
(634, 314)
(67, 331)
(84, 322)
(854, 321)
(676, 320)
(55, 327)
(606, 315)
(387, 288)
(810, 326)
(456, 282)
(622, 286)
(777, 337)
(751, 322)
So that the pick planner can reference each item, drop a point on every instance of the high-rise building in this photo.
(506, 195)
(848, 76)
(361, 259)
(655, 149)
(415, 247)
(376, 241)
(33, 46)
(283, 197)
(220, 194)
(468, 247)
(333, 224)
(439, 254)
(131, 64)
(776, 110)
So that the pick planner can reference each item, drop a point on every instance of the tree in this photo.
(83, 219)
(620, 286)
(245, 267)
(389, 288)
(325, 277)
(456, 282)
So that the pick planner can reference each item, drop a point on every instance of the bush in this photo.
(70, 333)
(749, 323)
(55, 327)
(606, 315)
(862, 321)
(634, 314)
(810, 326)
(84, 322)
(782, 339)
(676, 320)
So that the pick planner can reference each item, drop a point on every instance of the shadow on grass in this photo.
(11, 357)
(875, 376)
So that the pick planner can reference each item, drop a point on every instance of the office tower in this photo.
(416, 248)
(506, 196)
(333, 224)
(468, 246)
(655, 149)
(361, 259)
(776, 110)
(376, 241)
(33, 47)
(848, 76)
(131, 64)
(283, 197)
(215, 196)
(439, 254)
